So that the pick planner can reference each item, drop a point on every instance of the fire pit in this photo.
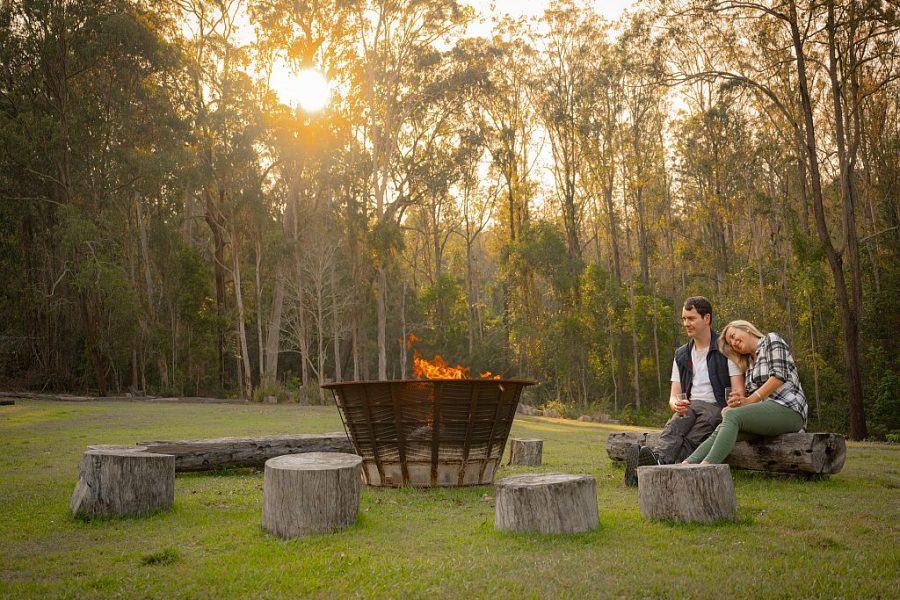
(432, 432)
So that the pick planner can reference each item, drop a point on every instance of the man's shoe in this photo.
(631, 464)
(646, 457)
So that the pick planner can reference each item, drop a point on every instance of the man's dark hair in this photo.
(700, 304)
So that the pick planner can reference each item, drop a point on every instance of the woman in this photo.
(775, 403)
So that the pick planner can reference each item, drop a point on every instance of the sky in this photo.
(611, 9)
(284, 81)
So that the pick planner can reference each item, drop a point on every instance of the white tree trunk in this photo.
(241, 329)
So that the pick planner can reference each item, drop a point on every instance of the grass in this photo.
(794, 538)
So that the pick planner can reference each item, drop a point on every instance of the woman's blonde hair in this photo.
(726, 349)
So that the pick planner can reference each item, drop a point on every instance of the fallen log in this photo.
(810, 453)
(240, 452)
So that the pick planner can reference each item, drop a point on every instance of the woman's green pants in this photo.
(745, 423)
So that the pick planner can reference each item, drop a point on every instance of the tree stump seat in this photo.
(546, 503)
(316, 492)
(525, 452)
(117, 481)
(687, 493)
(801, 453)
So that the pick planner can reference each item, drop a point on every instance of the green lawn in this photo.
(836, 537)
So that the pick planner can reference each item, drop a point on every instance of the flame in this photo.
(437, 367)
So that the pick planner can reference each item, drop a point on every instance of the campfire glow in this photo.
(437, 367)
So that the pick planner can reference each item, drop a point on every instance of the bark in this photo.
(848, 313)
(310, 493)
(247, 387)
(687, 493)
(811, 453)
(243, 452)
(123, 482)
(525, 452)
(546, 503)
(273, 333)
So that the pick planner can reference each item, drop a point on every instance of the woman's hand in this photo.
(736, 400)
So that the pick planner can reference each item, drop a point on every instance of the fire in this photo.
(437, 367)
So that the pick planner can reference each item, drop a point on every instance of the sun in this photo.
(309, 89)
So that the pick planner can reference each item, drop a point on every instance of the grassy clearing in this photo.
(836, 537)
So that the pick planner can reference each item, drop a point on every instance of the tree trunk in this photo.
(335, 315)
(381, 295)
(273, 333)
(848, 315)
(244, 452)
(813, 453)
(247, 389)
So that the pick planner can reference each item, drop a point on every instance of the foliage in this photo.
(537, 203)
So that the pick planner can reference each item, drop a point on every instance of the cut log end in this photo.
(123, 482)
(687, 493)
(546, 503)
(525, 452)
(310, 493)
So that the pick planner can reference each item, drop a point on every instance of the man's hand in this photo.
(678, 405)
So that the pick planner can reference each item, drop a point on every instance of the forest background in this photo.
(536, 203)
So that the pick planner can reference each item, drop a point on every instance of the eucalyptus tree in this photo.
(508, 125)
(559, 89)
(89, 134)
(302, 35)
(832, 46)
(393, 37)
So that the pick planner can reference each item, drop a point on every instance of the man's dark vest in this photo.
(716, 364)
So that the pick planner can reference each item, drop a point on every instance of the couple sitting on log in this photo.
(764, 395)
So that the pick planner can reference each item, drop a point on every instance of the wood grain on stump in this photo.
(687, 493)
(813, 453)
(123, 482)
(525, 452)
(546, 503)
(309, 493)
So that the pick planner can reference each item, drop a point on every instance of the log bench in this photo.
(800, 453)
(242, 452)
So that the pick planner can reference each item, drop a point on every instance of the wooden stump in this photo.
(525, 452)
(687, 493)
(812, 453)
(123, 482)
(310, 493)
(546, 503)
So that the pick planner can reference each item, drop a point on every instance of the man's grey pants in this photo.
(683, 433)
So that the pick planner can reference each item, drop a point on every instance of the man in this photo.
(702, 373)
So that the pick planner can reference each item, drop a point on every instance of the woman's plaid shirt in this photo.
(773, 358)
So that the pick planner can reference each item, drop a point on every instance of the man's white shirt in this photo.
(701, 388)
